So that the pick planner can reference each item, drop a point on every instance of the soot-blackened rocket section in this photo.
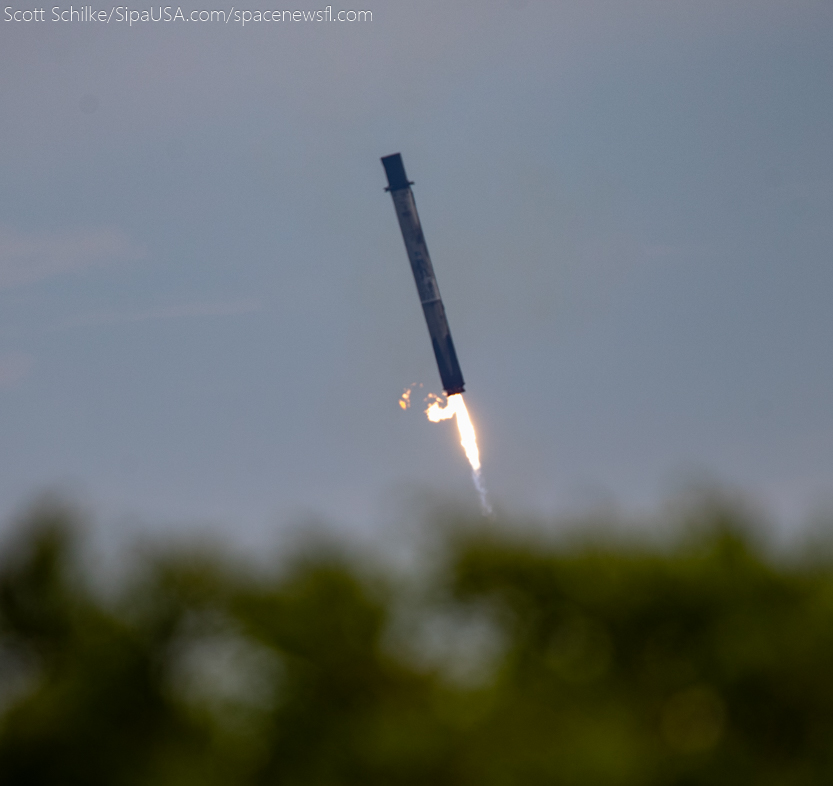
(426, 282)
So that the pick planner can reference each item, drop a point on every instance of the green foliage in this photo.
(608, 664)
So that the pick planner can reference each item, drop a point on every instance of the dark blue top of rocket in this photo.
(395, 170)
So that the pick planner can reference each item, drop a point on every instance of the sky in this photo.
(207, 315)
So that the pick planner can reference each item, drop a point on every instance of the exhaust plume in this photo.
(455, 407)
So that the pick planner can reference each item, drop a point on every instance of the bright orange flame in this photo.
(456, 407)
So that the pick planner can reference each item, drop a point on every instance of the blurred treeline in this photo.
(507, 660)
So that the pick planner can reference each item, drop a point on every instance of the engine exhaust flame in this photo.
(456, 408)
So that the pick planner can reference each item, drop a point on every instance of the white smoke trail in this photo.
(485, 505)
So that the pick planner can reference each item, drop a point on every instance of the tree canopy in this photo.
(603, 662)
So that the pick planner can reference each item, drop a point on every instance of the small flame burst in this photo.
(456, 407)
(405, 398)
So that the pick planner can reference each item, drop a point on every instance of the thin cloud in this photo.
(26, 259)
(13, 368)
(218, 309)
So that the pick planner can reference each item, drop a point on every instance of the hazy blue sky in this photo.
(206, 310)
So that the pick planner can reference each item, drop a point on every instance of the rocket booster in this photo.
(426, 282)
